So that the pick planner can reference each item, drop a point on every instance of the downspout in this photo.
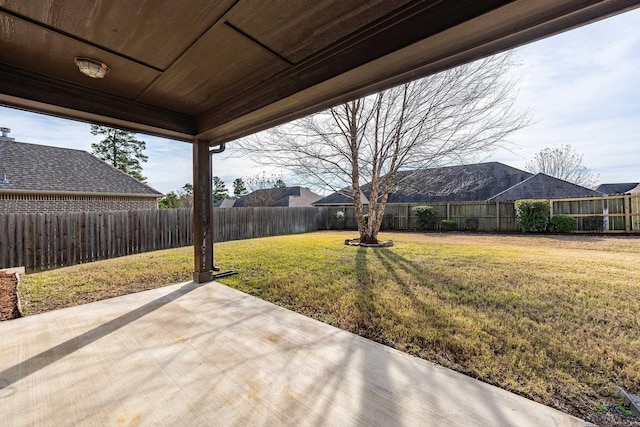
(220, 148)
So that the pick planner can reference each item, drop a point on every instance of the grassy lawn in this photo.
(553, 318)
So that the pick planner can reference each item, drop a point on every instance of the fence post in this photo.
(550, 208)
(497, 216)
(448, 211)
(627, 213)
(406, 225)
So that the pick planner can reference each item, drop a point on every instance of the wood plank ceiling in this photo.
(218, 70)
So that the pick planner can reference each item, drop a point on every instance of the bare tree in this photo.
(446, 118)
(563, 163)
(264, 181)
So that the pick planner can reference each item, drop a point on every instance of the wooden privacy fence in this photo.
(604, 214)
(491, 216)
(246, 223)
(48, 240)
(608, 214)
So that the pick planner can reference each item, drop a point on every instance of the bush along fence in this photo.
(607, 214)
(49, 240)
(482, 216)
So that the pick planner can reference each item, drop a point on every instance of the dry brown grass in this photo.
(81, 284)
(553, 318)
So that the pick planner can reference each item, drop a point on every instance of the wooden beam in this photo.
(481, 29)
(34, 92)
(202, 209)
(411, 24)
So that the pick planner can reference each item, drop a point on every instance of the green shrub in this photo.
(563, 224)
(472, 223)
(532, 215)
(448, 225)
(426, 217)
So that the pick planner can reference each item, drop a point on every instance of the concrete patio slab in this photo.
(196, 355)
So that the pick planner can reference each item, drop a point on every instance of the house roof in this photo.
(469, 183)
(40, 168)
(275, 197)
(617, 188)
(476, 182)
(541, 186)
(341, 197)
(225, 203)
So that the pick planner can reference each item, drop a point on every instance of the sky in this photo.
(582, 88)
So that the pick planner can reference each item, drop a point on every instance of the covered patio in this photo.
(194, 354)
(210, 72)
(207, 73)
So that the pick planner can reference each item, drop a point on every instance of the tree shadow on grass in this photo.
(371, 311)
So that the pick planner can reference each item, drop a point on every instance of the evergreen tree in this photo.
(120, 148)
(239, 188)
(185, 196)
(169, 201)
(220, 191)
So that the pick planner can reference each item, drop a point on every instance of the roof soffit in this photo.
(221, 70)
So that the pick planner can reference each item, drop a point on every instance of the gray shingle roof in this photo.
(469, 183)
(541, 186)
(617, 188)
(225, 203)
(340, 198)
(34, 167)
(475, 182)
(277, 197)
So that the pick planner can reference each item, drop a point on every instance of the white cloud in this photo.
(582, 87)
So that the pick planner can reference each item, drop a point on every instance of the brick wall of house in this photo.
(28, 203)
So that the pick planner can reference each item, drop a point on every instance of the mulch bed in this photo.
(381, 244)
(9, 297)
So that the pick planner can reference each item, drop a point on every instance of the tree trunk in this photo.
(369, 238)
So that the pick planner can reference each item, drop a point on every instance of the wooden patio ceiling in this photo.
(219, 70)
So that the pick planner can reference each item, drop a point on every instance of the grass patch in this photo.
(84, 283)
(555, 319)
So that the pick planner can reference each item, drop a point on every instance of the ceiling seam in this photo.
(217, 22)
(258, 43)
(380, 25)
(78, 39)
(476, 50)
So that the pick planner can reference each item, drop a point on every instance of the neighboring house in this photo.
(38, 178)
(619, 188)
(492, 181)
(226, 203)
(273, 197)
(541, 186)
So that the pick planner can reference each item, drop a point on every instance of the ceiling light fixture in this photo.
(91, 67)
